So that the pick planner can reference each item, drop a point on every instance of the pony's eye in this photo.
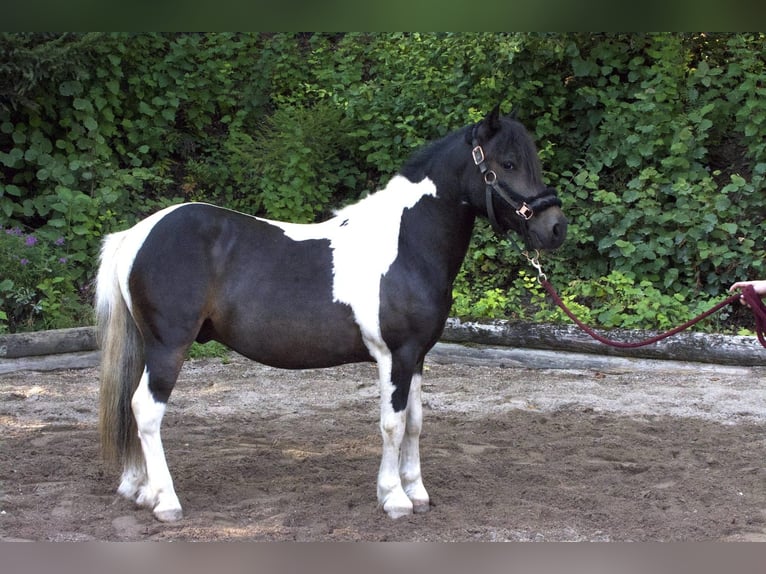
(509, 165)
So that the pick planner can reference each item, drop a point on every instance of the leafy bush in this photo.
(298, 163)
(659, 166)
(655, 141)
(663, 200)
(37, 288)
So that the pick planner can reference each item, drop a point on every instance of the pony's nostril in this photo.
(559, 232)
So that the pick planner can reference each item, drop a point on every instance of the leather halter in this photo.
(525, 207)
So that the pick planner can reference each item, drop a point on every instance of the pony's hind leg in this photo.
(409, 462)
(149, 404)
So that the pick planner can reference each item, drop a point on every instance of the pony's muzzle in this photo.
(547, 230)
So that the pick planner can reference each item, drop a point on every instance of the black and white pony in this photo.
(373, 283)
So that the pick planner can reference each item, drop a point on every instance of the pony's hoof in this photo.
(169, 515)
(398, 511)
(397, 507)
(421, 506)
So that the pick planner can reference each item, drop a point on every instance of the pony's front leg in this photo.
(391, 494)
(157, 492)
(409, 462)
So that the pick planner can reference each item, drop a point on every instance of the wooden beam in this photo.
(52, 342)
(77, 348)
(686, 346)
(82, 360)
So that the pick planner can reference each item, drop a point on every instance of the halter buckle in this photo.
(478, 155)
(525, 212)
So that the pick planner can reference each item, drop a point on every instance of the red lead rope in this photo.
(747, 293)
(759, 311)
(622, 345)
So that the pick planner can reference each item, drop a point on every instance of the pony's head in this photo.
(508, 185)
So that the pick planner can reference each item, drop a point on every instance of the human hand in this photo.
(759, 286)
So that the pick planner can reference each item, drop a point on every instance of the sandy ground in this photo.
(641, 450)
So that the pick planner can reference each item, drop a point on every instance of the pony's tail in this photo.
(122, 361)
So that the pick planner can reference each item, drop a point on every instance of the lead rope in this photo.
(748, 293)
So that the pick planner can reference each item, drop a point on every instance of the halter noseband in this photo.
(525, 207)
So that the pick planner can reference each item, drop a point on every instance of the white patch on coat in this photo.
(364, 238)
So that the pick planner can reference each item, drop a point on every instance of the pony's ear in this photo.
(490, 125)
(493, 119)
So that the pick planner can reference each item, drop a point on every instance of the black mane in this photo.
(513, 136)
(420, 164)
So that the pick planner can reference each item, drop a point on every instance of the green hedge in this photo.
(655, 141)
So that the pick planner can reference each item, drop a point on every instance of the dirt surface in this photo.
(651, 452)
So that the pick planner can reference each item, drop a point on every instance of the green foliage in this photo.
(668, 196)
(38, 289)
(492, 304)
(622, 300)
(616, 300)
(657, 150)
(298, 163)
(655, 142)
(210, 350)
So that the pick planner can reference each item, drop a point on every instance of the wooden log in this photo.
(508, 357)
(52, 342)
(687, 346)
(82, 360)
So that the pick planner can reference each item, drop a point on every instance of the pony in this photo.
(372, 283)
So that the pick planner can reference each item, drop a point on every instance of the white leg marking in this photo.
(391, 495)
(157, 493)
(409, 463)
(133, 481)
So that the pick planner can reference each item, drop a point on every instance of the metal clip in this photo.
(535, 262)
(478, 155)
(525, 212)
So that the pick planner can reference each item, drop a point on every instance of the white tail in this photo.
(122, 361)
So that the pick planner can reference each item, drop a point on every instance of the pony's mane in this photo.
(515, 137)
(419, 163)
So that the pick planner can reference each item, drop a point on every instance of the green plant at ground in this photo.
(616, 300)
(622, 300)
(210, 350)
(38, 289)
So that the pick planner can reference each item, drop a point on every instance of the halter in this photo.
(525, 207)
